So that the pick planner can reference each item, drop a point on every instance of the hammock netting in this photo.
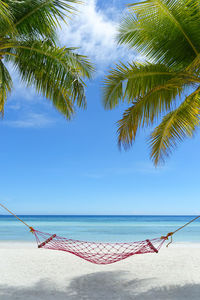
(97, 253)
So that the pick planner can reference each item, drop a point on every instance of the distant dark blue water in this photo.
(100, 228)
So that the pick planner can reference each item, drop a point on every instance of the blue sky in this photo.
(51, 166)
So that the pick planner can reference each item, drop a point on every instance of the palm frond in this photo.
(167, 34)
(40, 17)
(6, 18)
(65, 56)
(59, 76)
(174, 127)
(135, 81)
(152, 26)
(5, 86)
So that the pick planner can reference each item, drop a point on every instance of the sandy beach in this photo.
(30, 273)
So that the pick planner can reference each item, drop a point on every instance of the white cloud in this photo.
(31, 120)
(94, 31)
(91, 29)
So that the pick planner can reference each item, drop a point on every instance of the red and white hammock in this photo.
(97, 253)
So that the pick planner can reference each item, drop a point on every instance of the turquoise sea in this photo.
(100, 228)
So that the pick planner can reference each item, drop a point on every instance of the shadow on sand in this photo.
(100, 286)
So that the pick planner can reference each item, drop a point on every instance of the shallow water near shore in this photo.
(100, 228)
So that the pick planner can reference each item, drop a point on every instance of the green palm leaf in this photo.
(5, 86)
(167, 34)
(161, 29)
(59, 76)
(174, 127)
(6, 17)
(137, 80)
(30, 44)
(39, 17)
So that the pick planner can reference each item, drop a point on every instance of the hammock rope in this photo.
(15, 216)
(95, 252)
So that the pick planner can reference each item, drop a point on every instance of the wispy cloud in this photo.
(143, 168)
(94, 31)
(14, 106)
(31, 120)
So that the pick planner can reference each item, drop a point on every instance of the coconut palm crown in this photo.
(165, 88)
(28, 40)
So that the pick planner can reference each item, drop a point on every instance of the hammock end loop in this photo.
(165, 237)
(32, 230)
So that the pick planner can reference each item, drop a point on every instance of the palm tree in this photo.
(164, 88)
(28, 40)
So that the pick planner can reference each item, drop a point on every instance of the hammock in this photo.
(99, 253)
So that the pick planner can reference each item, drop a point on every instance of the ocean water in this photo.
(100, 228)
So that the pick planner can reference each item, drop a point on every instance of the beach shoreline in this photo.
(33, 244)
(30, 273)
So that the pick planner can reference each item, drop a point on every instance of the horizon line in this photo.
(102, 215)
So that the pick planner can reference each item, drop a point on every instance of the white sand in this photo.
(28, 273)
